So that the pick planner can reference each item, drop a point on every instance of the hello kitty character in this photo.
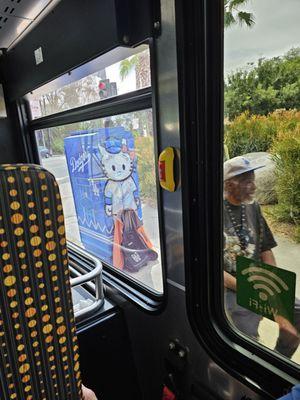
(120, 189)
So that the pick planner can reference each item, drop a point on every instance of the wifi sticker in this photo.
(266, 290)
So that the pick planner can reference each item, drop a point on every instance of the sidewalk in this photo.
(287, 255)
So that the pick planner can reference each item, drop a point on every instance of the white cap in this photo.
(237, 166)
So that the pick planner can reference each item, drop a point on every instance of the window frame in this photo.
(200, 71)
(146, 98)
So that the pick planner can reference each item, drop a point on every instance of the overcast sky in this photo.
(276, 30)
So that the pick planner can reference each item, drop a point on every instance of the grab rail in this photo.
(86, 278)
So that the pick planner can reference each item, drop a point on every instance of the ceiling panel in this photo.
(23, 8)
(11, 28)
(16, 16)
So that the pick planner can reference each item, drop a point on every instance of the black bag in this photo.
(135, 251)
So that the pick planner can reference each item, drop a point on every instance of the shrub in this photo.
(286, 154)
(146, 168)
(252, 133)
(249, 133)
(297, 234)
(58, 146)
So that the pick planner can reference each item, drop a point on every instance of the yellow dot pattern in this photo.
(38, 343)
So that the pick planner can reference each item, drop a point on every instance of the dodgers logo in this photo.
(78, 164)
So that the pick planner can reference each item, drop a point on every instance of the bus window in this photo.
(106, 172)
(262, 173)
(120, 71)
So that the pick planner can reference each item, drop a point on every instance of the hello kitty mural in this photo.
(103, 170)
(120, 190)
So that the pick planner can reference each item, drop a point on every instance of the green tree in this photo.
(286, 151)
(233, 15)
(271, 84)
(127, 65)
(141, 64)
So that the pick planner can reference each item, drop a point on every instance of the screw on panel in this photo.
(181, 353)
(125, 39)
(157, 25)
(171, 346)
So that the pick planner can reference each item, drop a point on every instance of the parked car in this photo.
(44, 152)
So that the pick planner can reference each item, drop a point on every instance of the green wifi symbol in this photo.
(266, 281)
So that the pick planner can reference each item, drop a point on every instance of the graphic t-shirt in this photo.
(248, 238)
(122, 194)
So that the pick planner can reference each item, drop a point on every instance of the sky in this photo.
(125, 86)
(276, 30)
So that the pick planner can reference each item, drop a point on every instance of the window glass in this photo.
(262, 172)
(120, 71)
(106, 172)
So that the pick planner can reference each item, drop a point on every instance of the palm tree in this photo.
(233, 15)
(127, 65)
(141, 63)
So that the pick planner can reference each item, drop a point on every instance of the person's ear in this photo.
(228, 186)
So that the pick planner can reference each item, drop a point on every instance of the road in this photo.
(57, 165)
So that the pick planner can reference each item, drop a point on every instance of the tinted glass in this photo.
(106, 172)
(262, 172)
(118, 72)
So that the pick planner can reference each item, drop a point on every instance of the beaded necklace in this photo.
(240, 229)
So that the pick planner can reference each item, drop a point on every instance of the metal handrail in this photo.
(96, 275)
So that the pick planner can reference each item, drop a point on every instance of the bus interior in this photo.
(127, 104)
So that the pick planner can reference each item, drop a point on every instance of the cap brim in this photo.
(244, 172)
(253, 169)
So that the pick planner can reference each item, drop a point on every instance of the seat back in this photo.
(39, 357)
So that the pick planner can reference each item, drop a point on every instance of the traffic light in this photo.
(103, 94)
(107, 89)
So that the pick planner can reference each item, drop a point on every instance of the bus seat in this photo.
(38, 344)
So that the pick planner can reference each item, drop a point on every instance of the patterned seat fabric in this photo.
(39, 357)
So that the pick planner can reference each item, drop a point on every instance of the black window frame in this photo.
(201, 100)
(146, 98)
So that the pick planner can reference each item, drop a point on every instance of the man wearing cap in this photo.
(247, 234)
